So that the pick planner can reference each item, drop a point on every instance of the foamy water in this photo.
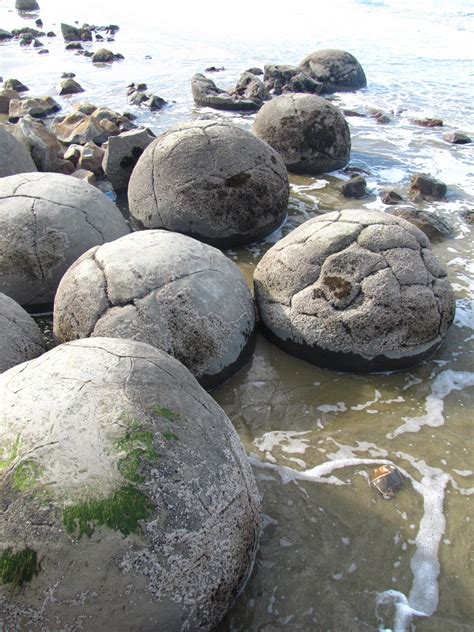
(335, 555)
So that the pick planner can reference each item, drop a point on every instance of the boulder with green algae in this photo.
(126, 497)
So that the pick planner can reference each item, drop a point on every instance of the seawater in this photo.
(335, 556)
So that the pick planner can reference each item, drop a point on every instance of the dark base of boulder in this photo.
(315, 167)
(212, 381)
(231, 241)
(347, 362)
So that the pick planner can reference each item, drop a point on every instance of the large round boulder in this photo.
(355, 291)
(20, 337)
(166, 289)
(337, 70)
(14, 156)
(127, 499)
(47, 220)
(309, 133)
(213, 181)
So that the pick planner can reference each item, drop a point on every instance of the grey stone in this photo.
(47, 221)
(207, 94)
(20, 337)
(44, 147)
(424, 187)
(338, 70)
(391, 197)
(79, 128)
(105, 56)
(122, 154)
(356, 187)
(85, 107)
(310, 134)
(164, 288)
(121, 434)
(5, 35)
(70, 86)
(280, 78)
(250, 87)
(26, 5)
(5, 97)
(74, 34)
(90, 158)
(15, 84)
(210, 180)
(84, 174)
(435, 227)
(38, 107)
(457, 138)
(14, 157)
(355, 290)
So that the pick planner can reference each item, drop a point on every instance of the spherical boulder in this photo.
(309, 133)
(20, 337)
(47, 220)
(166, 289)
(213, 181)
(355, 291)
(14, 156)
(337, 70)
(127, 499)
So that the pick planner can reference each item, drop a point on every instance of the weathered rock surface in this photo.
(73, 34)
(78, 128)
(15, 84)
(5, 97)
(355, 291)
(26, 5)
(47, 221)
(20, 337)
(85, 175)
(44, 147)
(424, 187)
(14, 157)
(337, 70)
(122, 154)
(164, 288)
(5, 35)
(435, 227)
(105, 56)
(280, 78)
(356, 187)
(457, 138)
(391, 197)
(214, 181)
(70, 86)
(250, 87)
(207, 94)
(38, 107)
(310, 134)
(90, 158)
(127, 492)
(428, 122)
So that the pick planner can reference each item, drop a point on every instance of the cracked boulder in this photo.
(126, 494)
(355, 291)
(309, 133)
(47, 221)
(337, 70)
(20, 337)
(14, 156)
(211, 180)
(164, 288)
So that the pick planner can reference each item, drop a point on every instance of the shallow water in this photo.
(335, 556)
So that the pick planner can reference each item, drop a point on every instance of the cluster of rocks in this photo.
(138, 95)
(322, 72)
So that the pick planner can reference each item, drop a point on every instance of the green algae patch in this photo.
(165, 412)
(137, 445)
(18, 568)
(6, 461)
(121, 512)
(170, 436)
(26, 475)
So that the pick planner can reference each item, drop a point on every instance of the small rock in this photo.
(69, 86)
(214, 69)
(137, 98)
(26, 40)
(34, 107)
(428, 122)
(435, 227)
(74, 46)
(467, 216)
(457, 138)
(122, 154)
(50, 34)
(99, 37)
(352, 113)
(85, 108)
(39, 23)
(5, 97)
(37, 43)
(5, 35)
(255, 71)
(85, 175)
(155, 102)
(14, 84)
(68, 75)
(207, 94)
(43, 51)
(380, 116)
(91, 157)
(355, 188)
(74, 34)
(73, 153)
(391, 197)
(105, 56)
(387, 480)
(426, 188)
